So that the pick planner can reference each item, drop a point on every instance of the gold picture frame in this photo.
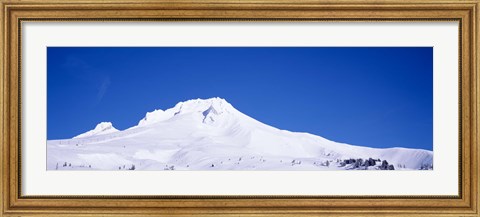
(15, 12)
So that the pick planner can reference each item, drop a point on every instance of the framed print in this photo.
(255, 108)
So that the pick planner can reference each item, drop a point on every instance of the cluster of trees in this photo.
(66, 164)
(170, 167)
(296, 162)
(130, 168)
(386, 166)
(426, 167)
(364, 164)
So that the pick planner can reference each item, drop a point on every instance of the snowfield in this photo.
(211, 134)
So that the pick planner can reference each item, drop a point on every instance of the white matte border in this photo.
(37, 36)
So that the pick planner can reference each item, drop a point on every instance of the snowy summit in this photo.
(215, 106)
(101, 128)
(210, 134)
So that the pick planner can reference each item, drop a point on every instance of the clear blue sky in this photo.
(377, 97)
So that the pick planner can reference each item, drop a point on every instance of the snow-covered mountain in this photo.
(211, 134)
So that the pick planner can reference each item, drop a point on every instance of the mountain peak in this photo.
(208, 107)
(101, 128)
(200, 105)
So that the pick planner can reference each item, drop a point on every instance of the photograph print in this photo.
(239, 108)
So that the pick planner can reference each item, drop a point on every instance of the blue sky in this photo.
(377, 97)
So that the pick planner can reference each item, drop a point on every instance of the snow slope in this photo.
(211, 134)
